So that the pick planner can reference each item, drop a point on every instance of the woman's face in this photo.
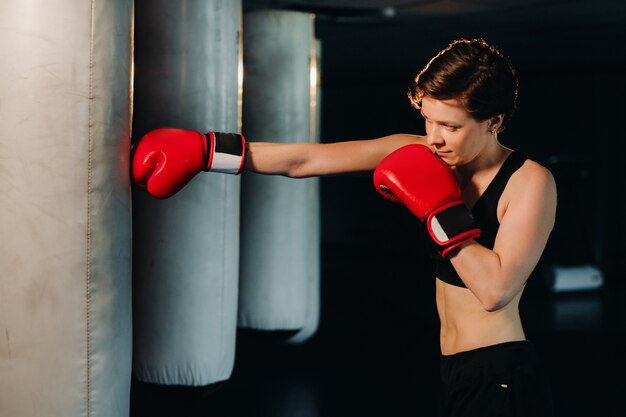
(455, 135)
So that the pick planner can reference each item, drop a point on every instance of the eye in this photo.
(451, 128)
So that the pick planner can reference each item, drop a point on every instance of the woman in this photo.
(466, 95)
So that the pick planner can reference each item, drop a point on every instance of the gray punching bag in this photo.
(313, 301)
(276, 263)
(65, 228)
(186, 248)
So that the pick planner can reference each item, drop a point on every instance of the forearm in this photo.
(276, 158)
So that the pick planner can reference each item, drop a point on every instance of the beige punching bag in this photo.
(65, 228)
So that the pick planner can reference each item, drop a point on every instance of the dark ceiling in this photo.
(369, 11)
(392, 38)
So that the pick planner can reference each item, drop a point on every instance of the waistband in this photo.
(487, 361)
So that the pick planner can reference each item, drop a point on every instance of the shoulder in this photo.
(532, 175)
(533, 184)
(377, 149)
(354, 156)
(401, 139)
(387, 144)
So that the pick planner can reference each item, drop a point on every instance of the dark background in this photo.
(376, 351)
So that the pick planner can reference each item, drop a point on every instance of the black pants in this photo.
(499, 380)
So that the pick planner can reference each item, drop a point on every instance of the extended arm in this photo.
(165, 160)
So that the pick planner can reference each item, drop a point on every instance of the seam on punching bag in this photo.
(89, 189)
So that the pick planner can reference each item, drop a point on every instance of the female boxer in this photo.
(488, 209)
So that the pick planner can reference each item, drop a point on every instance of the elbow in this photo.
(492, 307)
(302, 165)
(295, 168)
(292, 170)
(495, 300)
(300, 170)
(296, 171)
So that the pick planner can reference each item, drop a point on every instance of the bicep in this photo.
(526, 226)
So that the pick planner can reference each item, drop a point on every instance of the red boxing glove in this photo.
(416, 177)
(165, 160)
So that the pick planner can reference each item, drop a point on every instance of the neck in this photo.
(492, 155)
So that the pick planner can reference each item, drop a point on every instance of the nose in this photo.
(433, 136)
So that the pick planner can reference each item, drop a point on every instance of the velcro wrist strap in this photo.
(226, 152)
(452, 224)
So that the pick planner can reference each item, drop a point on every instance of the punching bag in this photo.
(65, 228)
(186, 248)
(313, 300)
(279, 270)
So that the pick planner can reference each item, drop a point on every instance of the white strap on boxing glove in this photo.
(226, 153)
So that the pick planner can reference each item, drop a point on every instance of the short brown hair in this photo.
(474, 72)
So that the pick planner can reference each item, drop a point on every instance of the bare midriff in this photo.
(466, 325)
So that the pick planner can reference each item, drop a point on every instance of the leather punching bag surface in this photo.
(65, 230)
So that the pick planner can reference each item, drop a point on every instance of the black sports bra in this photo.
(485, 213)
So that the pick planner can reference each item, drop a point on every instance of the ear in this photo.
(495, 122)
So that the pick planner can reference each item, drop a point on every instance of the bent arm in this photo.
(496, 276)
(300, 160)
